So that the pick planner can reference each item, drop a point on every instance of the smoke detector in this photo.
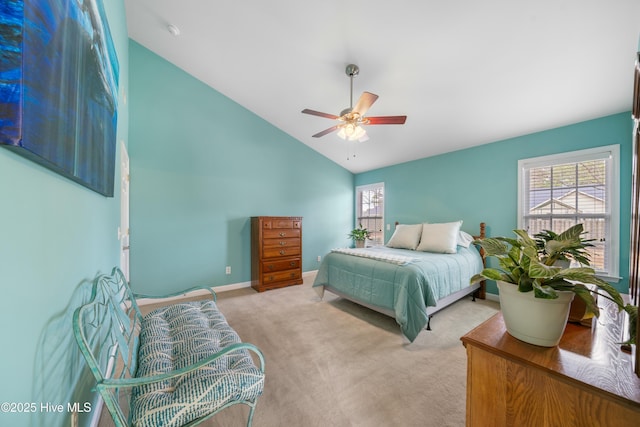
(175, 31)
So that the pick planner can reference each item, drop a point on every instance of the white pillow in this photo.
(406, 236)
(440, 238)
(465, 239)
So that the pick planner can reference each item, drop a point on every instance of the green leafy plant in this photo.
(528, 263)
(359, 233)
(574, 246)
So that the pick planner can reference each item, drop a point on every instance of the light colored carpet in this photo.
(335, 363)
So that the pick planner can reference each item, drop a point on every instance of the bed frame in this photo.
(477, 290)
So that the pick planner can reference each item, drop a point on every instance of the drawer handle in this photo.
(282, 252)
(292, 263)
(283, 243)
(270, 266)
(282, 234)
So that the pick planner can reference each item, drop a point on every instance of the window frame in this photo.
(612, 268)
(358, 205)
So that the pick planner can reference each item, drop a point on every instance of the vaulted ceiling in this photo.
(465, 72)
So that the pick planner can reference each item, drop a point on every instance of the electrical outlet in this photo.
(319, 258)
(228, 269)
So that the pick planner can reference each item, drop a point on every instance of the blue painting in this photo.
(59, 87)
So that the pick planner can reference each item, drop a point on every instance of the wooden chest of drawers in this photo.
(276, 252)
(584, 381)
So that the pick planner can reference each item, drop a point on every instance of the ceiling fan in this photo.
(351, 119)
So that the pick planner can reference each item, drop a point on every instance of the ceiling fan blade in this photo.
(387, 120)
(326, 131)
(318, 113)
(364, 103)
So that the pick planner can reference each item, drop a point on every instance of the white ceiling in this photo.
(465, 72)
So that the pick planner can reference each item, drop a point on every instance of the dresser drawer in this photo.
(281, 233)
(268, 278)
(280, 243)
(277, 265)
(280, 252)
(269, 224)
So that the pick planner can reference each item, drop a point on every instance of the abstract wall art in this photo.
(59, 88)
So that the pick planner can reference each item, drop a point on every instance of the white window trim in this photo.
(613, 151)
(361, 188)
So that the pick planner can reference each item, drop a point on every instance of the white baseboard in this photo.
(203, 292)
(196, 293)
(492, 297)
(307, 274)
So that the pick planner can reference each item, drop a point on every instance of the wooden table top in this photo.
(590, 357)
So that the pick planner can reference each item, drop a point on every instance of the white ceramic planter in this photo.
(534, 320)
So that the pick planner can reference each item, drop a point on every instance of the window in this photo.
(558, 191)
(370, 210)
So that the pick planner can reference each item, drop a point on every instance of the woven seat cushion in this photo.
(176, 336)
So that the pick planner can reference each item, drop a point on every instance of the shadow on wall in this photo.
(62, 380)
(239, 249)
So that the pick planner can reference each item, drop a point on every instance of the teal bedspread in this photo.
(406, 289)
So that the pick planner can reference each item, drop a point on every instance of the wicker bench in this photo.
(178, 365)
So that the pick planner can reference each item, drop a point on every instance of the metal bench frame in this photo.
(106, 330)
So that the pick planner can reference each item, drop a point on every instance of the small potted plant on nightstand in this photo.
(359, 236)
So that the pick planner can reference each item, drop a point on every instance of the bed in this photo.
(411, 278)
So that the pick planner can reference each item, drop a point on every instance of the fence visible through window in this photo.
(375, 227)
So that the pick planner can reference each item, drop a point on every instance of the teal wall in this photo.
(201, 166)
(480, 184)
(55, 236)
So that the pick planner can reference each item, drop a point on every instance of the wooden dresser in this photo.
(276, 252)
(585, 381)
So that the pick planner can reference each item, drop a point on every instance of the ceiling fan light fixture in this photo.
(350, 129)
(352, 132)
(358, 133)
